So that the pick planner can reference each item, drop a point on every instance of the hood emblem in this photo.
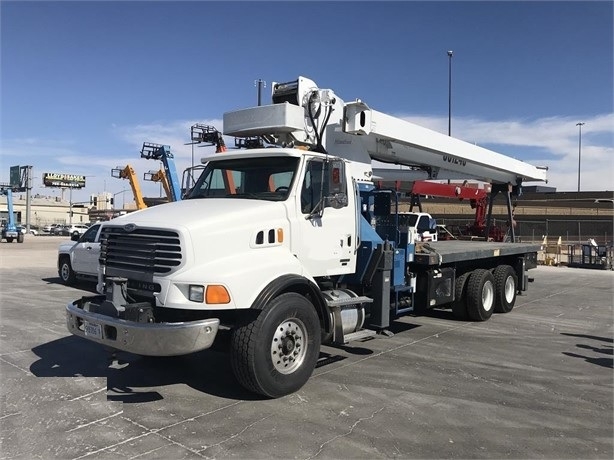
(129, 227)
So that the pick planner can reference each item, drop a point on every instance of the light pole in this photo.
(260, 84)
(579, 125)
(450, 92)
(123, 198)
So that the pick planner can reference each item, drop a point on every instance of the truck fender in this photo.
(300, 285)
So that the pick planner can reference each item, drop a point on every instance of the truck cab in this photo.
(420, 224)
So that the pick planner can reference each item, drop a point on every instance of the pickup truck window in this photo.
(90, 235)
(268, 178)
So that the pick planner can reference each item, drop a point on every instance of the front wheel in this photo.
(67, 274)
(275, 354)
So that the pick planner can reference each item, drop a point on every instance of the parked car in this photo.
(57, 230)
(22, 229)
(49, 228)
(78, 258)
(74, 229)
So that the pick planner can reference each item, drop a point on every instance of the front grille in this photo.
(141, 251)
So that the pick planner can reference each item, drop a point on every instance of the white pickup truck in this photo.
(78, 258)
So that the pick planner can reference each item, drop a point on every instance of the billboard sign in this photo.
(15, 176)
(63, 180)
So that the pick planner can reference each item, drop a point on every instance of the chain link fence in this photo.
(571, 231)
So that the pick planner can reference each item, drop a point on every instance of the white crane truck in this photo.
(290, 247)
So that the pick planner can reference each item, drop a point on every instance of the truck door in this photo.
(86, 252)
(326, 219)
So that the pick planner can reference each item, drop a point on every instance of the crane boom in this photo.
(128, 173)
(160, 176)
(304, 115)
(163, 153)
(394, 140)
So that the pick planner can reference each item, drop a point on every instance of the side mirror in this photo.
(75, 237)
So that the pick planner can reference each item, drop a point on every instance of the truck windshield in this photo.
(268, 178)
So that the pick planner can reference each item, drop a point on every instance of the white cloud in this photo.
(551, 142)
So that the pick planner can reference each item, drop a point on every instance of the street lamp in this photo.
(123, 198)
(450, 93)
(579, 125)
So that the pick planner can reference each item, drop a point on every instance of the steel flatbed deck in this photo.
(445, 252)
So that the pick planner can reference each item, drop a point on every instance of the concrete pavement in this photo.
(534, 383)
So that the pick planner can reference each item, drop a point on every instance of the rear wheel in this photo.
(276, 353)
(459, 306)
(67, 275)
(506, 287)
(480, 295)
(20, 238)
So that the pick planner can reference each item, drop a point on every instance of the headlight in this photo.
(196, 293)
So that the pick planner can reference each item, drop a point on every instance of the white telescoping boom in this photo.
(356, 132)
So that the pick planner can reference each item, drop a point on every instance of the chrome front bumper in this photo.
(149, 339)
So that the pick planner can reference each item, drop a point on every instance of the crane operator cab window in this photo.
(324, 185)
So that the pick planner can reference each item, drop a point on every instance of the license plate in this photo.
(93, 330)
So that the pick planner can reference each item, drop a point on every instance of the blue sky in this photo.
(84, 84)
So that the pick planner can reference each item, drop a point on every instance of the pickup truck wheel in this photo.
(506, 287)
(480, 295)
(459, 306)
(67, 275)
(20, 238)
(275, 354)
(9, 239)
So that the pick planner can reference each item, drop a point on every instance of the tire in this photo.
(9, 239)
(459, 306)
(20, 238)
(480, 295)
(67, 275)
(275, 354)
(506, 288)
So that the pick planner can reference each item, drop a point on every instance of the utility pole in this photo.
(28, 183)
(579, 125)
(450, 92)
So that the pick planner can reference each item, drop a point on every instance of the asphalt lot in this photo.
(534, 383)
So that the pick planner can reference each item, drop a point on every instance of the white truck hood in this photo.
(196, 214)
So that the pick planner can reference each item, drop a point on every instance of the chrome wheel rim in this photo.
(65, 271)
(289, 346)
